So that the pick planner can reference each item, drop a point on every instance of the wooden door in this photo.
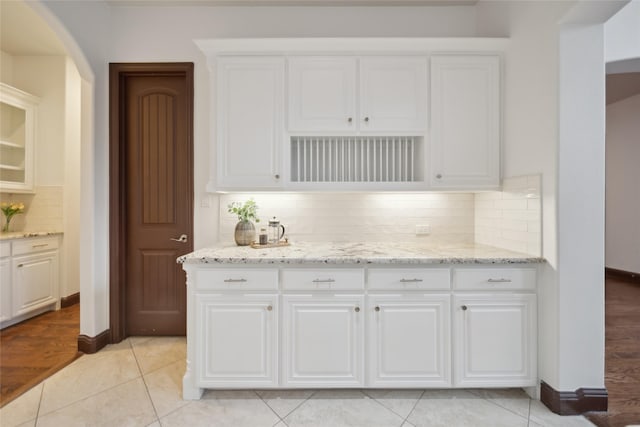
(154, 206)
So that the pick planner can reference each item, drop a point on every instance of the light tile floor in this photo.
(138, 382)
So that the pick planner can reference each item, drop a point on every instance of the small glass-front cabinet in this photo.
(17, 139)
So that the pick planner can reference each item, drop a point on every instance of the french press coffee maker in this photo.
(276, 230)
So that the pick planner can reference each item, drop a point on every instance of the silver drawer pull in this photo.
(20, 265)
(324, 280)
(403, 280)
(41, 245)
(499, 280)
(235, 280)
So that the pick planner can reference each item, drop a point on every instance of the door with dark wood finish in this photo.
(156, 195)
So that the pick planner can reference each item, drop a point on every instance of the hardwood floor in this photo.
(622, 354)
(37, 348)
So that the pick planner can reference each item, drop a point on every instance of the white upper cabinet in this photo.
(465, 121)
(17, 139)
(322, 94)
(250, 103)
(393, 94)
(347, 95)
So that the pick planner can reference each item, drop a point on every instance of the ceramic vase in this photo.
(245, 233)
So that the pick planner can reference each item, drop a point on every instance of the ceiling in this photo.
(23, 32)
(292, 2)
(16, 16)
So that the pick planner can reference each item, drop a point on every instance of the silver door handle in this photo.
(181, 239)
(499, 280)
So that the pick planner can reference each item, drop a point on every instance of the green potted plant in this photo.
(245, 232)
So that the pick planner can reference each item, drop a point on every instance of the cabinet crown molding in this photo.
(350, 45)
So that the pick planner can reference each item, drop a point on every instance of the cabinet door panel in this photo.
(409, 341)
(250, 103)
(323, 341)
(496, 340)
(465, 128)
(238, 341)
(322, 94)
(393, 94)
(35, 282)
(5, 290)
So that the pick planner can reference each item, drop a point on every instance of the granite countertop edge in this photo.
(358, 254)
(27, 234)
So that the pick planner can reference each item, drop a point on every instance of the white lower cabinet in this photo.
(495, 340)
(35, 282)
(409, 340)
(238, 340)
(263, 327)
(5, 289)
(323, 340)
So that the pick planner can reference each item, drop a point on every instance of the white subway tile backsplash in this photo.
(513, 220)
(43, 209)
(508, 219)
(361, 216)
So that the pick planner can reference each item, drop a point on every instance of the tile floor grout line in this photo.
(177, 409)
(505, 408)
(313, 392)
(39, 403)
(87, 357)
(268, 406)
(385, 406)
(406, 420)
(146, 387)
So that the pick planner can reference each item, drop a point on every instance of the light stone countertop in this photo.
(26, 234)
(358, 253)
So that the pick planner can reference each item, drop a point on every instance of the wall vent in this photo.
(356, 159)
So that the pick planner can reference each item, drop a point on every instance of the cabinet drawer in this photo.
(237, 279)
(494, 278)
(407, 279)
(29, 246)
(5, 249)
(318, 279)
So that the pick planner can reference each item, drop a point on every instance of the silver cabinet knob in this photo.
(464, 308)
(439, 176)
(277, 176)
(269, 308)
(357, 309)
(377, 308)
(350, 119)
(366, 119)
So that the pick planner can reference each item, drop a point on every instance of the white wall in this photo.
(44, 76)
(623, 193)
(622, 33)
(581, 208)
(6, 68)
(72, 177)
